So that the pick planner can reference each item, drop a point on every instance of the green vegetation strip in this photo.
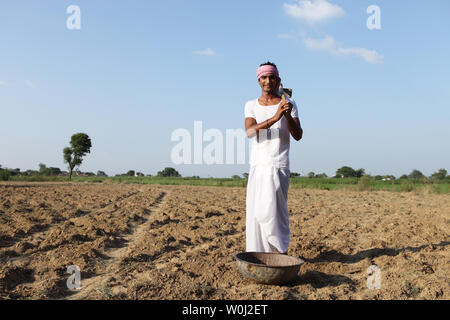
(357, 184)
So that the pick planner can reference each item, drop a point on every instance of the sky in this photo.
(136, 71)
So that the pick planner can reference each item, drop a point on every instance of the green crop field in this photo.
(356, 184)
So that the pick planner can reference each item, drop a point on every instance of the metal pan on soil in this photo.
(268, 268)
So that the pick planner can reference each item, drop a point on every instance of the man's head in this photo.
(268, 77)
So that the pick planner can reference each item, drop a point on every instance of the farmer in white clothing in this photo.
(269, 120)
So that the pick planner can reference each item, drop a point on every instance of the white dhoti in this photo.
(267, 216)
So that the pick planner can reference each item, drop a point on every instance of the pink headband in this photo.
(266, 69)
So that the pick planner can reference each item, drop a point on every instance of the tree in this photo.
(52, 171)
(322, 175)
(294, 174)
(101, 174)
(80, 144)
(245, 175)
(4, 175)
(14, 172)
(440, 175)
(42, 168)
(130, 173)
(359, 173)
(168, 172)
(235, 176)
(30, 172)
(311, 175)
(415, 174)
(345, 172)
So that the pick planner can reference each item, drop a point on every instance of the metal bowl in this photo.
(268, 268)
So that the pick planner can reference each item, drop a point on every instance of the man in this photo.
(271, 119)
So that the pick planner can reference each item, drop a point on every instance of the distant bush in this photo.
(4, 175)
(51, 171)
(433, 188)
(407, 186)
(347, 172)
(101, 174)
(366, 183)
(440, 175)
(168, 172)
(415, 174)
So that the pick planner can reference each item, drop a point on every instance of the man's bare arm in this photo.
(252, 128)
(294, 126)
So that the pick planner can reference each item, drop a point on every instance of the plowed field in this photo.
(177, 242)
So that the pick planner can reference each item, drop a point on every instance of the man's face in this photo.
(268, 83)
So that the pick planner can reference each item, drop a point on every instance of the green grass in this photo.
(355, 184)
(215, 182)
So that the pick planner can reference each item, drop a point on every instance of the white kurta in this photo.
(267, 215)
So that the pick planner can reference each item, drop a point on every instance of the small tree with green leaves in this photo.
(359, 173)
(4, 174)
(80, 144)
(42, 168)
(345, 172)
(440, 175)
(321, 175)
(415, 174)
(168, 172)
(101, 174)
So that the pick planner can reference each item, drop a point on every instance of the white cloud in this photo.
(370, 56)
(313, 11)
(206, 52)
(326, 44)
(30, 84)
(331, 45)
